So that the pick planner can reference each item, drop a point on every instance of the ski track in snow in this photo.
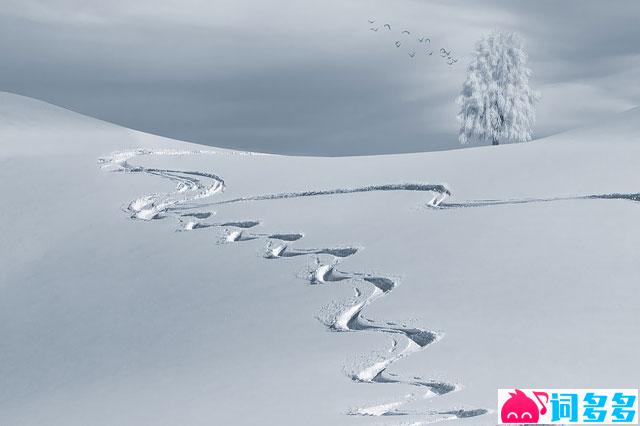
(489, 203)
(192, 186)
(189, 184)
(441, 192)
(347, 316)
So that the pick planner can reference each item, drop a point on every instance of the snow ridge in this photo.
(191, 187)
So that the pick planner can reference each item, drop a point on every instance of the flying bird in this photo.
(405, 32)
(374, 29)
(452, 61)
(412, 54)
(371, 22)
(443, 52)
(387, 26)
(398, 44)
(421, 39)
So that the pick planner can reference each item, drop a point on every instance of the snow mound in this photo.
(109, 320)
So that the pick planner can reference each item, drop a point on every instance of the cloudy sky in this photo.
(308, 76)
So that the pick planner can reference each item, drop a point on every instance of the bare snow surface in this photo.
(171, 285)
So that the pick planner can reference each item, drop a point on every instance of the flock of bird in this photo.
(425, 41)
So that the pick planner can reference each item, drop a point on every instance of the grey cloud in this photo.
(306, 77)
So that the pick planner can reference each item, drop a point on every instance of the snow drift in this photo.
(523, 275)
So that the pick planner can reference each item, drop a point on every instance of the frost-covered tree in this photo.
(496, 102)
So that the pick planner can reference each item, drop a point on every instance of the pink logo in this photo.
(519, 408)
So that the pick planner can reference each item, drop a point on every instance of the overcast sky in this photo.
(308, 76)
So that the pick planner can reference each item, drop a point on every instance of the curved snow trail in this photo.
(192, 186)
(351, 318)
(285, 251)
(189, 184)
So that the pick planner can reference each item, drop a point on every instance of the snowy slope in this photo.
(147, 281)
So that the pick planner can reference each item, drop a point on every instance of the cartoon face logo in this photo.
(519, 408)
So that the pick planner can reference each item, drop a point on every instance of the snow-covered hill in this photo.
(147, 281)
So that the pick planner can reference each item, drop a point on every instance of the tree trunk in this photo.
(495, 142)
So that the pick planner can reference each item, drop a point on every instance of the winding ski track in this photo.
(193, 186)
